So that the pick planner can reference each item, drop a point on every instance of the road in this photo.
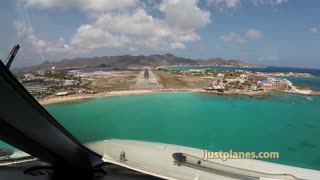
(146, 80)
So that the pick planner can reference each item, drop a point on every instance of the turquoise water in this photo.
(282, 122)
(312, 82)
(285, 123)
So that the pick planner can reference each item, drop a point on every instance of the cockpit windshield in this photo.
(236, 79)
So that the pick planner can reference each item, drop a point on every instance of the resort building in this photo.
(40, 85)
(197, 70)
(243, 76)
(34, 89)
(69, 83)
(53, 70)
(257, 77)
(28, 76)
(41, 73)
(62, 93)
(217, 85)
(220, 75)
(273, 83)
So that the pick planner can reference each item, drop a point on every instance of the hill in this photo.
(130, 61)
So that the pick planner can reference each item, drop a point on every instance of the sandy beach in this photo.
(78, 97)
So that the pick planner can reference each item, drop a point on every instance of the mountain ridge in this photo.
(131, 60)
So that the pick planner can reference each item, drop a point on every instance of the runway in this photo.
(146, 80)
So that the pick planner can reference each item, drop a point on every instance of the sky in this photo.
(262, 32)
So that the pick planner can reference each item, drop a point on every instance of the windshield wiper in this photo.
(12, 55)
(17, 160)
(208, 166)
(7, 157)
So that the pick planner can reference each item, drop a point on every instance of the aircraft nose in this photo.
(97, 146)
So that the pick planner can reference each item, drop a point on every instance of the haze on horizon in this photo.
(263, 32)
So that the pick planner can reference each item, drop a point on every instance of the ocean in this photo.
(286, 123)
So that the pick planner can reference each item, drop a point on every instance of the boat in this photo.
(309, 99)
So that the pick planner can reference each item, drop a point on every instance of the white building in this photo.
(68, 83)
(273, 83)
(28, 76)
(62, 93)
(243, 76)
(41, 73)
(220, 75)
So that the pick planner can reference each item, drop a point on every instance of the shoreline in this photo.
(81, 97)
(253, 94)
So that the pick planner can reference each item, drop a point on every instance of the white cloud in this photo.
(92, 5)
(268, 2)
(90, 38)
(140, 30)
(137, 23)
(85, 40)
(233, 37)
(314, 30)
(232, 3)
(184, 14)
(269, 58)
(251, 34)
(177, 45)
(40, 45)
(131, 30)
(221, 4)
(229, 4)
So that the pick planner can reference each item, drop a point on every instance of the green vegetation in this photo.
(247, 83)
(226, 87)
(57, 75)
(232, 74)
(226, 77)
(301, 87)
(211, 72)
(19, 77)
